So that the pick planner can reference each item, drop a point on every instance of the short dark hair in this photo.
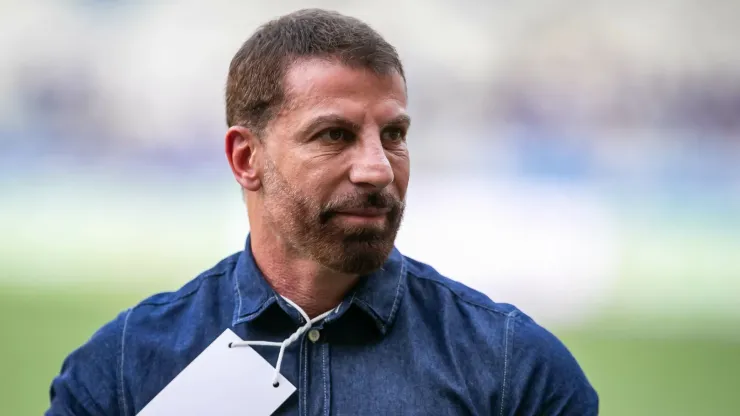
(254, 89)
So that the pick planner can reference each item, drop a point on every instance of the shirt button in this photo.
(313, 335)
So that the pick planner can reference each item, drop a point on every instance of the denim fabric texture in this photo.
(405, 341)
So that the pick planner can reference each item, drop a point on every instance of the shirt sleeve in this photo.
(541, 376)
(89, 381)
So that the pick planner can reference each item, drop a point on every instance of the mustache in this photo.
(378, 200)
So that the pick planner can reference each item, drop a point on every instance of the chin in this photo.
(353, 250)
(362, 257)
(360, 266)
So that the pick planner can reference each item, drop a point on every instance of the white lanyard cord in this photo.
(291, 339)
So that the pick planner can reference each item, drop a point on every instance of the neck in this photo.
(311, 286)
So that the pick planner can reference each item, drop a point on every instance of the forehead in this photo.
(318, 84)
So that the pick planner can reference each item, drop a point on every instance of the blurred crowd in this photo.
(641, 91)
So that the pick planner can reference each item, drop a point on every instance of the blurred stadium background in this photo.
(578, 159)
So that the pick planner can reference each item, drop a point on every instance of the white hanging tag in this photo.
(222, 381)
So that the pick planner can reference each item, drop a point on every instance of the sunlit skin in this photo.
(326, 182)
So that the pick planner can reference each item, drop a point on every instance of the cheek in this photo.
(401, 172)
(322, 178)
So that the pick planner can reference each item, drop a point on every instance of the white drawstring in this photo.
(291, 339)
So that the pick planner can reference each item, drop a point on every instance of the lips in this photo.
(365, 212)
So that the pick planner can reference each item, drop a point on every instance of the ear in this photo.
(242, 151)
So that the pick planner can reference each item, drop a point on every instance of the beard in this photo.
(307, 225)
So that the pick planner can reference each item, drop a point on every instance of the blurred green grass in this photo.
(633, 375)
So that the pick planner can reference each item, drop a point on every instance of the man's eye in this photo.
(336, 135)
(394, 134)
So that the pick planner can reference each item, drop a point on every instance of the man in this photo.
(316, 108)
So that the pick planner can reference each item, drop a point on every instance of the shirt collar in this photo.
(378, 294)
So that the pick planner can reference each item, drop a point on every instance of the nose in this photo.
(370, 167)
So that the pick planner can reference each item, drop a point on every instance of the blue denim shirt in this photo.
(406, 341)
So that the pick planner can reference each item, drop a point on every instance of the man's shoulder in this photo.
(170, 306)
(177, 308)
(535, 359)
(145, 335)
(488, 314)
(210, 280)
(425, 277)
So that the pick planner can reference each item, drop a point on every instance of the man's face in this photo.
(336, 165)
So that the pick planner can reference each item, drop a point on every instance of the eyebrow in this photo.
(330, 119)
(337, 120)
(402, 119)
